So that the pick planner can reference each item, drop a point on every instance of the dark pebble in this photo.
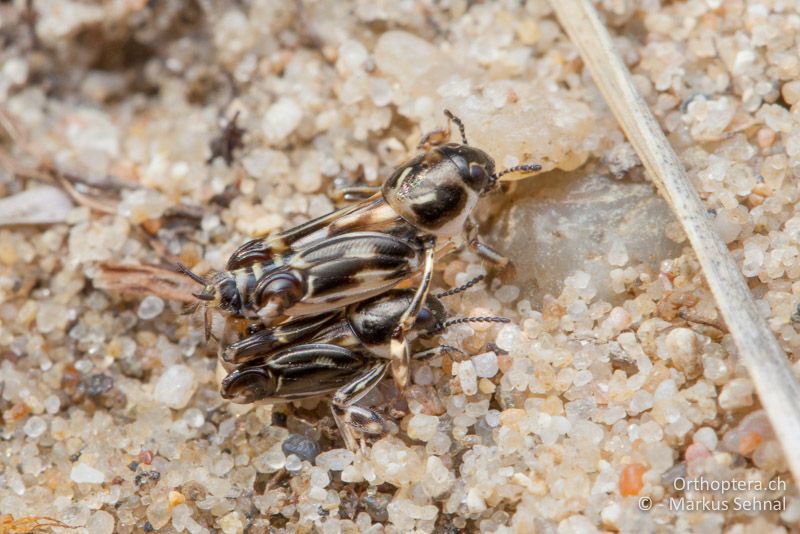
(376, 505)
(99, 384)
(301, 446)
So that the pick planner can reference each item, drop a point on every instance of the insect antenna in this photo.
(531, 167)
(185, 270)
(460, 289)
(461, 320)
(458, 122)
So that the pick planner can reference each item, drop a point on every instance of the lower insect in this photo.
(347, 353)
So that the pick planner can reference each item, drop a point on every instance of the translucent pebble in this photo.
(683, 348)
(650, 432)
(611, 514)
(194, 418)
(181, 517)
(101, 522)
(493, 418)
(423, 375)
(34, 427)
(695, 452)
(317, 494)
(335, 459)
(508, 337)
(486, 365)
(84, 365)
(52, 404)
(270, 461)
(50, 317)
(578, 280)
(422, 427)
(612, 414)
(714, 369)
(86, 474)
(477, 409)
(308, 178)
(438, 478)
(467, 377)
(397, 463)
(150, 307)
(231, 523)
(642, 400)
(221, 465)
(475, 503)
(176, 386)
(666, 390)
(380, 91)
(439, 444)
(618, 254)
(281, 119)
(265, 164)
(707, 437)
(293, 463)
(582, 378)
(738, 393)
(319, 477)
(753, 429)
(352, 56)
(507, 294)
(619, 319)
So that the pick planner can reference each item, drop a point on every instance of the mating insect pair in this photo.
(346, 352)
(423, 209)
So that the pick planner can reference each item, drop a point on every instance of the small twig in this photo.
(758, 349)
(691, 317)
(81, 198)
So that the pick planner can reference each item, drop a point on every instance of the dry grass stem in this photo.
(758, 349)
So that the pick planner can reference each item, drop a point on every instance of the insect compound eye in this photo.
(423, 319)
(229, 296)
(478, 178)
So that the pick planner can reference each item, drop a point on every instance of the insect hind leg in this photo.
(355, 421)
(398, 347)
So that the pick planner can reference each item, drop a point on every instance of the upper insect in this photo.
(365, 249)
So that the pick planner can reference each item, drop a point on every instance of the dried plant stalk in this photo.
(143, 280)
(758, 349)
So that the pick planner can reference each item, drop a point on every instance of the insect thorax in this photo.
(436, 191)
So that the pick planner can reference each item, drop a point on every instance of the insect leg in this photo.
(354, 193)
(488, 253)
(442, 136)
(351, 418)
(399, 351)
(434, 352)
(263, 249)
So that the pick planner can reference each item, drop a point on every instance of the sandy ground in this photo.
(603, 406)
